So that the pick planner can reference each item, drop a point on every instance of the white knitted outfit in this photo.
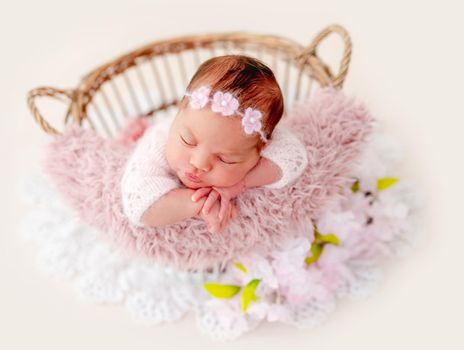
(147, 175)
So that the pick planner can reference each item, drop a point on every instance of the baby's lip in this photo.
(192, 177)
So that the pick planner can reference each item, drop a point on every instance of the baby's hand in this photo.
(226, 194)
(216, 224)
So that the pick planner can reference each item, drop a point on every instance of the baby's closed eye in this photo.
(187, 143)
(228, 161)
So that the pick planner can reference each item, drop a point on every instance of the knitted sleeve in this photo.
(146, 175)
(289, 153)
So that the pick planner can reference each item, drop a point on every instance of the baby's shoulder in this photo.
(282, 135)
(159, 128)
(155, 135)
(284, 144)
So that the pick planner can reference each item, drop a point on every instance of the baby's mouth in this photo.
(192, 178)
(190, 182)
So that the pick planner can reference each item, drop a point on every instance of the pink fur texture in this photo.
(87, 168)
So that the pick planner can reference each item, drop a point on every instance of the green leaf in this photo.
(355, 186)
(240, 267)
(385, 182)
(316, 251)
(329, 238)
(221, 290)
(248, 293)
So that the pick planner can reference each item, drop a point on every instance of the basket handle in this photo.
(311, 53)
(50, 92)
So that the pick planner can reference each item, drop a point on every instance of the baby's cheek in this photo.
(230, 176)
(169, 158)
(172, 157)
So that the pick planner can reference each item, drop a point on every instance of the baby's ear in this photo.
(261, 147)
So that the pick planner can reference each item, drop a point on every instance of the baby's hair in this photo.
(249, 80)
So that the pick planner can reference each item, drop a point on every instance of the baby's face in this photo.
(211, 147)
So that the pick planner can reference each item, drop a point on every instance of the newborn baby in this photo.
(224, 139)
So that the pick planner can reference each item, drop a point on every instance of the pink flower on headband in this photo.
(224, 103)
(251, 120)
(200, 97)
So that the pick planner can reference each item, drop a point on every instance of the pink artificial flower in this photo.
(251, 121)
(133, 130)
(200, 97)
(224, 103)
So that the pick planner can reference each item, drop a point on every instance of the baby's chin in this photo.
(194, 186)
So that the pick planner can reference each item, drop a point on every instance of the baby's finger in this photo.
(211, 228)
(213, 221)
(234, 212)
(213, 196)
(226, 219)
(214, 227)
(201, 192)
(225, 204)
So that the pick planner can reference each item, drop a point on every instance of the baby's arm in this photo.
(281, 162)
(264, 173)
(151, 195)
(172, 207)
(177, 205)
(288, 153)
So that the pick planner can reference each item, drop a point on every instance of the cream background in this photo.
(407, 65)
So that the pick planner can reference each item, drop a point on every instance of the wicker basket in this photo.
(152, 79)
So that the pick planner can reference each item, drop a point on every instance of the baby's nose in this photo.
(200, 168)
(200, 163)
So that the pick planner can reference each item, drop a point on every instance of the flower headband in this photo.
(227, 105)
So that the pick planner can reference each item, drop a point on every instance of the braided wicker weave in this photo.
(152, 79)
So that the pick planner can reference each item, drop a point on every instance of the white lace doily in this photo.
(72, 251)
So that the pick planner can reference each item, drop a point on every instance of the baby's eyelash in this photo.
(227, 162)
(185, 141)
(222, 160)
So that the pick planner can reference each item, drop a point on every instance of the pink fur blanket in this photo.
(86, 169)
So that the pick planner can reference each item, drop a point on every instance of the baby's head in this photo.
(211, 142)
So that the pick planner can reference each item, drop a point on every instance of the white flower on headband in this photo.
(224, 103)
(251, 120)
(200, 97)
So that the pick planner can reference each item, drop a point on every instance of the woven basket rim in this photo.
(305, 57)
